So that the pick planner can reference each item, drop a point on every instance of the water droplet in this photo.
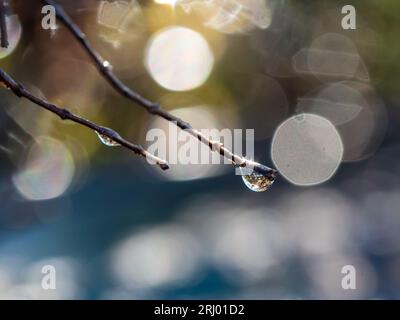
(107, 141)
(107, 64)
(255, 181)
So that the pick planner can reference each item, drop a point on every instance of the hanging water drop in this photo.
(255, 181)
(107, 141)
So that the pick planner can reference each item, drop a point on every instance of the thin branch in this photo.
(154, 108)
(3, 24)
(65, 114)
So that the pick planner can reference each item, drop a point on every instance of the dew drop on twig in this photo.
(255, 181)
(107, 141)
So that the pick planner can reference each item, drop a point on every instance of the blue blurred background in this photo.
(115, 227)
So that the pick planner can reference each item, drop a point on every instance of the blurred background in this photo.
(324, 104)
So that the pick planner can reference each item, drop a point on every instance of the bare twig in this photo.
(154, 108)
(3, 25)
(65, 114)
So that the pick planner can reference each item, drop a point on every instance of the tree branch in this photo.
(3, 25)
(65, 114)
(154, 108)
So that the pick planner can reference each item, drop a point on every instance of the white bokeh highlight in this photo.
(47, 172)
(200, 117)
(307, 149)
(179, 59)
(166, 255)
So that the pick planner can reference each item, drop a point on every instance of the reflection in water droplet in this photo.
(107, 141)
(256, 182)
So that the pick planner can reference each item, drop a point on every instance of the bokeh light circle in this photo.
(47, 172)
(358, 113)
(14, 30)
(307, 149)
(169, 2)
(179, 59)
(230, 17)
(167, 255)
(333, 55)
(201, 117)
